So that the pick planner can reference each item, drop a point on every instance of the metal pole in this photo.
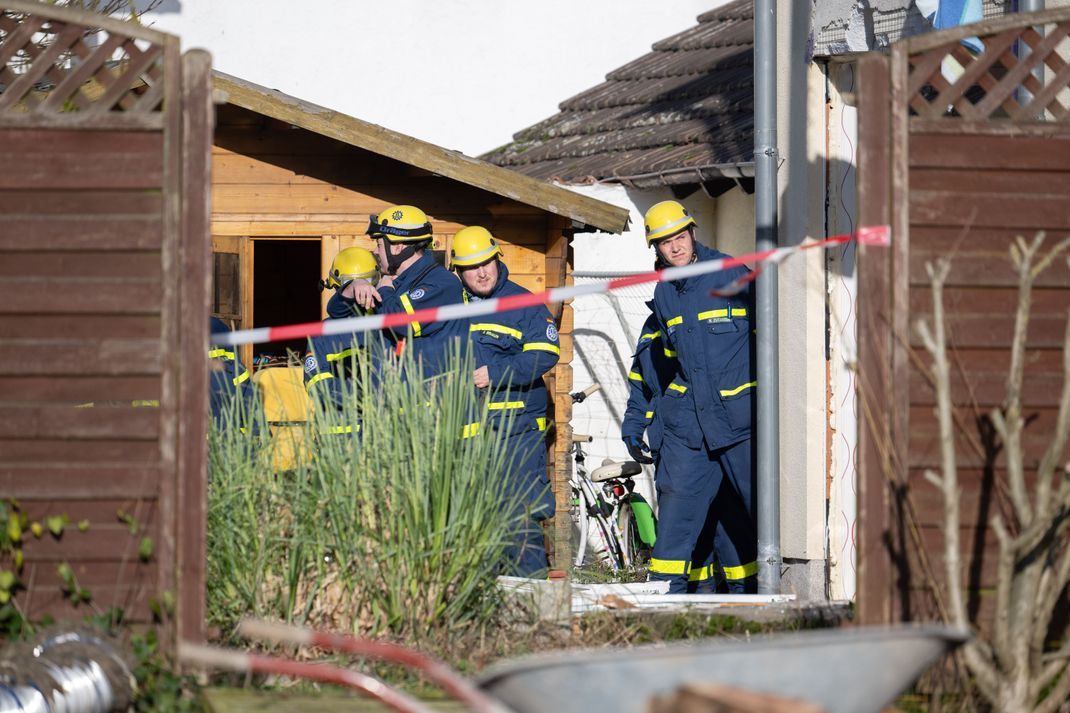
(765, 190)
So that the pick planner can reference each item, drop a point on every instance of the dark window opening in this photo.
(285, 274)
(226, 292)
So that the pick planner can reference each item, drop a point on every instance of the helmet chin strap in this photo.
(393, 262)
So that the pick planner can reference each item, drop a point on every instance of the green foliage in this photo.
(160, 690)
(71, 588)
(398, 530)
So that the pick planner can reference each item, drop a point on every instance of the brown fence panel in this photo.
(966, 166)
(105, 135)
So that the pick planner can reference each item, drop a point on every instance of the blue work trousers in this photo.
(527, 478)
(706, 512)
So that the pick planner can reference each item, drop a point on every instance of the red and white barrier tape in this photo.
(876, 235)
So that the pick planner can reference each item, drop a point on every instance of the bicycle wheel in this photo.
(580, 529)
(610, 552)
(600, 540)
(634, 551)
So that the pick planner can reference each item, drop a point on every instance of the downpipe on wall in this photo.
(768, 398)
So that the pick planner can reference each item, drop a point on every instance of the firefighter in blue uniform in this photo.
(706, 479)
(331, 359)
(412, 279)
(512, 352)
(230, 392)
(653, 369)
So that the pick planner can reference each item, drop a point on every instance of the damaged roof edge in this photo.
(451, 164)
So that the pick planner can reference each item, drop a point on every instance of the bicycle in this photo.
(621, 520)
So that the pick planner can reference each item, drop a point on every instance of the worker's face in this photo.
(480, 279)
(383, 247)
(677, 249)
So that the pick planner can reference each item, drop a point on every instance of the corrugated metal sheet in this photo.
(681, 114)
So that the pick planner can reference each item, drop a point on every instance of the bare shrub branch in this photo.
(1010, 667)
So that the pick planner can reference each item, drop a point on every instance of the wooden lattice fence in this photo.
(960, 151)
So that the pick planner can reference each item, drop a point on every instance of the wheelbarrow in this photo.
(833, 671)
(841, 671)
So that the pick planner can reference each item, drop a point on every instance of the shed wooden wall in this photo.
(272, 180)
(963, 190)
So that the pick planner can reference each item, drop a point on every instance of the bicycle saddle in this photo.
(610, 470)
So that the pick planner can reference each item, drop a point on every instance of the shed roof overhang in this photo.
(586, 213)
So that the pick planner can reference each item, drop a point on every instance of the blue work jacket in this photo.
(711, 398)
(426, 284)
(653, 368)
(228, 379)
(330, 363)
(517, 347)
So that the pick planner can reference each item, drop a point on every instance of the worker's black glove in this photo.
(637, 449)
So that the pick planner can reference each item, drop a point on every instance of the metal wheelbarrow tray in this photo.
(843, 670)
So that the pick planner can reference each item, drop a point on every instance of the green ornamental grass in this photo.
(396, 530)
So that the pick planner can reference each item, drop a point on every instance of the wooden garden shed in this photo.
(293, 183)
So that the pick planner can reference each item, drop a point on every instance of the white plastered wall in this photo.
(843, 332)
(803, 382)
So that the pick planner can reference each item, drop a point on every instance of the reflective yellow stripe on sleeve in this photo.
(678, 387)
(649, 415)
(341, 355)
(499, 328)
(669, 566)
(318, 378)
(216, 353)
(650, 335)
(407, 304)
(635, 377)
(342, 429)
(674, 321)
(543, 347)
(541, 423)
(470, 430)
(742, 571)
(241, 378)
(741, 387)
(669, 353)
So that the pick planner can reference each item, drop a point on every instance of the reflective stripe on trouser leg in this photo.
(705, 572)
(736, 542)
(527, 479)
(687, 483)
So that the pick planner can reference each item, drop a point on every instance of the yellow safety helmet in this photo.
(473, 245)
(352, 264)
(665, 219)
(401, 224)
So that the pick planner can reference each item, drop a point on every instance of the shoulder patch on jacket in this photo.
(551, 332)
(417, 293)
(310, 364)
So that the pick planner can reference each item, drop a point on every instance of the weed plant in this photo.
(396, 528)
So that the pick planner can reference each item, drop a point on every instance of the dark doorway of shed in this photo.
(285, 274)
